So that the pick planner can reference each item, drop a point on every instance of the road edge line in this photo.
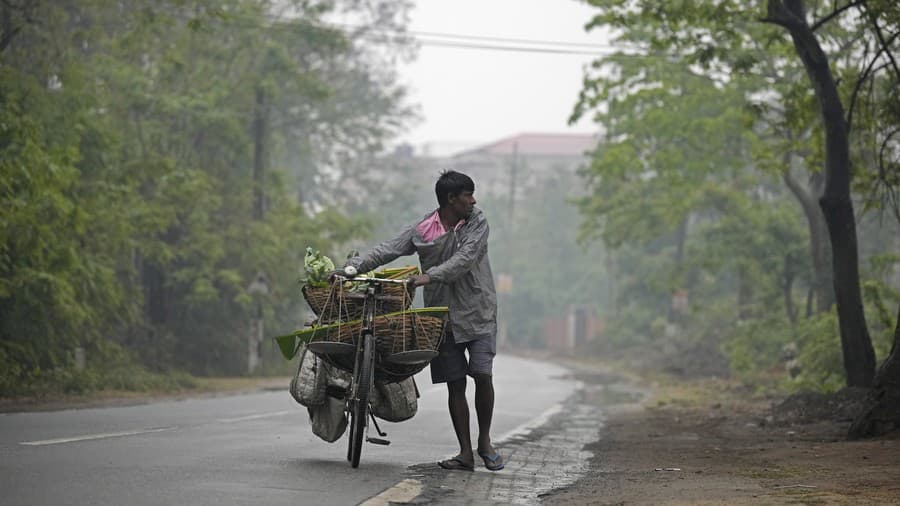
(402, 492)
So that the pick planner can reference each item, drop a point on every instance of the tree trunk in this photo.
(881, 411)
(612, 275)
(787, 287)
(859, 356)
(153, 280)
(819, 248)
(744, 294)
(680, 238)
(259, 154)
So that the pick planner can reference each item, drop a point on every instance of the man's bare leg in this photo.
(459, 415)
(484, 410)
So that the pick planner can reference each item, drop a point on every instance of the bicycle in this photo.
(363, 376)
(367, 329)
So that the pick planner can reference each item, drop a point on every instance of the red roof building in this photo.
(537, 144)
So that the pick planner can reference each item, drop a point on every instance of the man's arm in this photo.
(469, 252)
(399, 246)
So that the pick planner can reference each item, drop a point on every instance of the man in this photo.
(452, 246)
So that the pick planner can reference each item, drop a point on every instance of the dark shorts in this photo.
(451, 363)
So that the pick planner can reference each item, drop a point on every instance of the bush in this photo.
(109, 367)
(819, 355)
(761, 350)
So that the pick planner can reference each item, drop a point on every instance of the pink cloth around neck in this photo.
(431, 227)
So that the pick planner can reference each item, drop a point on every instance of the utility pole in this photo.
(260, 118)
(259, 287)
(513, 170)
(505, 279)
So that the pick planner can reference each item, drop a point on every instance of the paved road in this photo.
(242, 449)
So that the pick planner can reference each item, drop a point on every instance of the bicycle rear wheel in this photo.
(359, 404)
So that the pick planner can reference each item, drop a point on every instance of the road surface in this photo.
(242, 449)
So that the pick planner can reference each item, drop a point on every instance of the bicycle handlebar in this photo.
(372, 280)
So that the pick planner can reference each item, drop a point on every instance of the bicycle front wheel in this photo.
(359, 405)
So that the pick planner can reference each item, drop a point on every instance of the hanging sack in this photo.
(337, 381)
(395, 402)
(309, 384)
(328, 420)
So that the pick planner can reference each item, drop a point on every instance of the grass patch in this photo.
(119, 381)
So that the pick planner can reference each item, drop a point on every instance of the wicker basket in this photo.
(333, 303)
(408, 332)
(406, 343)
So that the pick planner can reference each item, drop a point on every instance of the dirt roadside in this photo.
(709, 442)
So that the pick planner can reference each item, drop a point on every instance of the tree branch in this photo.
(885, 45)
(859, 82)
(777, 13)
(10, 32)
(887, 139)
(8, 37)
(837, 12)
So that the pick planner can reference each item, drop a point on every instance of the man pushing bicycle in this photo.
(452, 245)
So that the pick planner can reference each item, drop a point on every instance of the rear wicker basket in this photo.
(400, 334)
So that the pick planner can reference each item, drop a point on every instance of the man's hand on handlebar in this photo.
(346, 272)
(419, 279)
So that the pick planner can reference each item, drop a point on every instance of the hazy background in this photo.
(653, 194)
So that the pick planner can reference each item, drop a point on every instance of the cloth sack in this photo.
(328, 421)
(337, 381)
(309, 384)
(327, 386)
(395, 402)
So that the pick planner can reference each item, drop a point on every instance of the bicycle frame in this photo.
(362, 379)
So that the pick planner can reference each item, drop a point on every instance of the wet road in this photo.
(243, 449)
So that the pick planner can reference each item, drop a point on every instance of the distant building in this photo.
(502, 167)
(520, 161)
(580, 325)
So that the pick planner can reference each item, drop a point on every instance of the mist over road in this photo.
(240, 449)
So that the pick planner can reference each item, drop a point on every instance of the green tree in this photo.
(152, 193)
(725, 38)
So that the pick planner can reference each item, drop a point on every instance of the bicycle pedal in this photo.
(378, 441)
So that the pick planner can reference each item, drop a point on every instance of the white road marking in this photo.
(90, 437)
(530, 425)
(256, 417)
(401, 493)
(138, 432)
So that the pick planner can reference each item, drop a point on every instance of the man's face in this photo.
(462, 204)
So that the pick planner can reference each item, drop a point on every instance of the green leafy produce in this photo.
(317, 267)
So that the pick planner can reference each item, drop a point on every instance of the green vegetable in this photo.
(317, 267)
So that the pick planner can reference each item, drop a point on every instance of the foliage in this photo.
(705, 110)
(109, 367)
(819, 344)
(141, 196)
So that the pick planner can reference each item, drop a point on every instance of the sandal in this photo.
(456, 464)
(492, 462)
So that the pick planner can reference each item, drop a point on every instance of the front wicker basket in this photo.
(333, 303)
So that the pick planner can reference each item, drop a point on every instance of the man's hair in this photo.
(452, 183)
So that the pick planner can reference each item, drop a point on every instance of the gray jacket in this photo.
(460, 272)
